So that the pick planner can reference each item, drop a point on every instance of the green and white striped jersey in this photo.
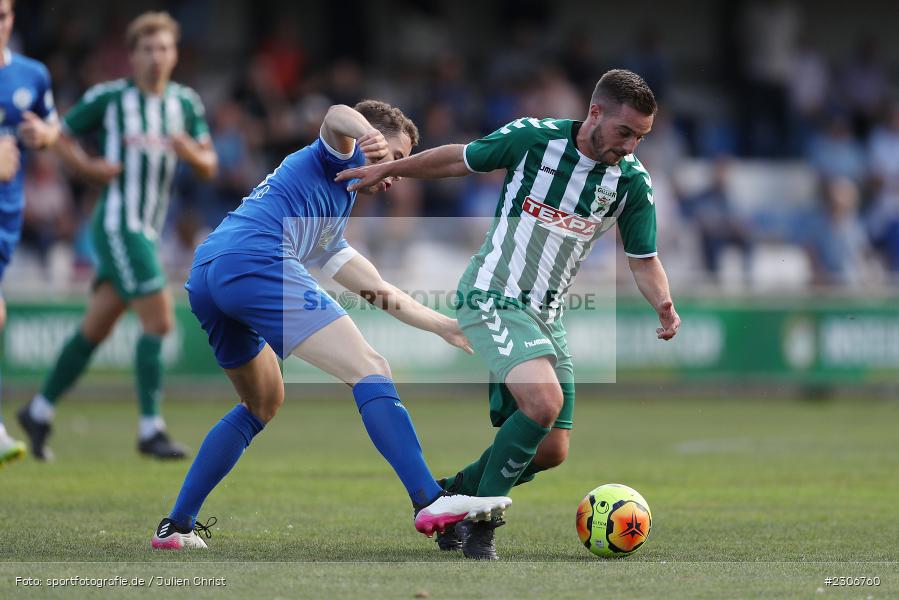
(556, 202)
(134, 131)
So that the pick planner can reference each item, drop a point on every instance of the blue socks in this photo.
(223, 446)
(391, 430)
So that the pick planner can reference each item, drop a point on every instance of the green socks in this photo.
(148, 373)
(471, 475)
(513, 449)
(72, 362)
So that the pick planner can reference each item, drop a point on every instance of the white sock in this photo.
(41, 410)
(3, 430)
(148, 426)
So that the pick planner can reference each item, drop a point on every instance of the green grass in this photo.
(750, 498)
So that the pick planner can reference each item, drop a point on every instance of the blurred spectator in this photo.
(239, 170)
(665, 147)
(178, 251)
(649, 59)
(719, 227)
(451, 85)
(834, 151)
(837, 243)
(809, 92)
(554, 96)
(865, 85)
(769, 30)
(578, 60)
(284, 57)
(883, 156)
(48, 207)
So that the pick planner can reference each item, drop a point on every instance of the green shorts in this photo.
(130, 261)
(505, 333)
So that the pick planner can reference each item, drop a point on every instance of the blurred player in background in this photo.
(567, 183)
(250, 289)
(27, 120)
(146, 124)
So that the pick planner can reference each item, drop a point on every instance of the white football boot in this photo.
(10, 449)
(169, 537)
(449, 509)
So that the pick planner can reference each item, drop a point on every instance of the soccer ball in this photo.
(613, 520)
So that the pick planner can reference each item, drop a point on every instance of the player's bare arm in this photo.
(96, 170)
(360, 276)
(436, 163)
(9, 157)
(200, 156)
(343, 126)
(37, 133)
(653, 284)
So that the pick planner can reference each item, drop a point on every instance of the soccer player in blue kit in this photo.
(251, 292)
(27, 121)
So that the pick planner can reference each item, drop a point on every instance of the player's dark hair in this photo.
(389, 120)
(620, 87)
(148, 24)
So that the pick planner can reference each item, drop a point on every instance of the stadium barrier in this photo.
(765, 341)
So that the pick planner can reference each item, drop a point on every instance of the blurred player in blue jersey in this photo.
(27, 120)
(252, 294)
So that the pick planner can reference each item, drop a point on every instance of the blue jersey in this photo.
(24, 87)
(298, 211)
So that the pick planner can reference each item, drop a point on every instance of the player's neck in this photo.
(5, 56)
(154, 88)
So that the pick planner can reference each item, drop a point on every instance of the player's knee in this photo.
(544, 405)
(94, 333)
(160, 326)
(374, 364)
(266, 407)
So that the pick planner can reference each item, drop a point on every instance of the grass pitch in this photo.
(750, 499)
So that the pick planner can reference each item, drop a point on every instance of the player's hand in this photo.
(34, 131)
(454, 336)
(100, 171)
(373, 146)
(9, 158)
(371, 176)
(670, 321)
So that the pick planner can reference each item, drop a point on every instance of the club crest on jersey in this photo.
(604, 197)
(22, 98)
(559, 220)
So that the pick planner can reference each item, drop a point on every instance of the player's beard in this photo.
(610, 156)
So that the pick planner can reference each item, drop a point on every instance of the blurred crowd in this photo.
(779, 168)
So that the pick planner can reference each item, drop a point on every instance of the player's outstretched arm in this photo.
(94, 170)
(360, 276)
(653, 284)
(436, 163)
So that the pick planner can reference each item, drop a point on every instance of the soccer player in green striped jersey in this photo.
(567, 183)
(145, 124)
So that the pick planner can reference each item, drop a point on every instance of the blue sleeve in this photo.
(44, 106)
(335, 162)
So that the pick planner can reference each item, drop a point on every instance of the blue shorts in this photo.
(10, 231)
(244, 301)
